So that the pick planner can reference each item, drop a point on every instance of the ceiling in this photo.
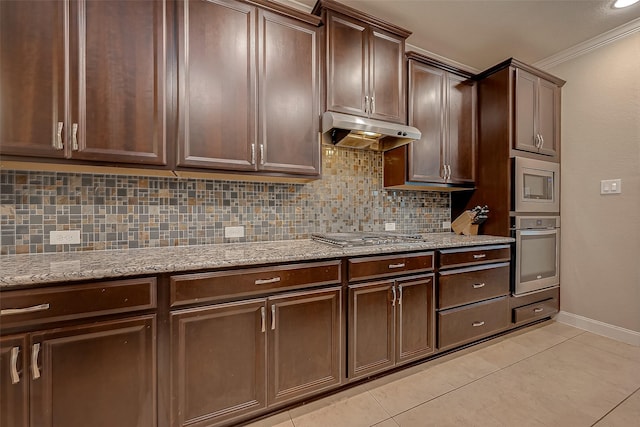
(482, 33)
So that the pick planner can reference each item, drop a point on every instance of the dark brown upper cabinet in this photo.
(83, 80)
(364, 64)
(442, 105)
(537, 112)
(248, 89)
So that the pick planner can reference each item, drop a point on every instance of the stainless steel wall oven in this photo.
(537, 253)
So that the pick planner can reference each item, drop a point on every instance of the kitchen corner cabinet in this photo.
(537, 112)
(265, 351)
(96, 372)
(391, 321)
(248, 89)
(103, 102)
(365, 66)
(442, 105)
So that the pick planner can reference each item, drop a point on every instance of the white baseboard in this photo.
(600, 328)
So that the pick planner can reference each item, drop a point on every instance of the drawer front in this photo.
(474, 255)
(535, 311)
(462, 325)
(389, 265)
(472, 284)
(233, 284)
(60, 303)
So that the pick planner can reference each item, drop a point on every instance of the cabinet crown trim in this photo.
(286, 11)
(411, 55)
(512, 62)
(354, 13)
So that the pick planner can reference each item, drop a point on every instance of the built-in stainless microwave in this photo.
(536, 186)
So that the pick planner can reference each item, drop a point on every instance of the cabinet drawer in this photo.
(389, 265)
(461, 325)
(59, 303)
(535, 311)
(221, 285)
(474, 255)
(472, 284)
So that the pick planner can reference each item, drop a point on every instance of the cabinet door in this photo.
(371, 328)
(526, 105)
(415, 318)
(14, 382)
(347, 65)
(216, 85)
(304, 344)
(387, 74)
(288, 94)
(32, 87)
(218, 362)
(118, 81)
(102, 375)
(426, 106)
(460, 128)
(548, 117)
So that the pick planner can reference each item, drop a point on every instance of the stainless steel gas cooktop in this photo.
(365, 238)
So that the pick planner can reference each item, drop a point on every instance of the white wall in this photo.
(600, 256)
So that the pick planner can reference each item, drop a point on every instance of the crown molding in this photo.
(296, 5)
(460, 65)
(587, 46)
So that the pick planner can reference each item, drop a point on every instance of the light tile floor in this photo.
(547, 375)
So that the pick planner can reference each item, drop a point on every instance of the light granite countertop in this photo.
(41, 269)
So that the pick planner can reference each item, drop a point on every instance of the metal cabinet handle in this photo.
(263, 315)
(478, 285)
(372, 106)
(479, 256)
(39, 307)
(449, 174)
(393, 290)
(273, 317)
(400, 265)
(400, 296)
(476, 324)
(267, 281)
(35, 352)
(541, 142)
(537, 310)
(253, 154)
(57, 141)
(74, 136)
(262, 154)
(15, 377)
(366, 104)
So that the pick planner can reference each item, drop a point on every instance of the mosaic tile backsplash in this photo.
(120, 212)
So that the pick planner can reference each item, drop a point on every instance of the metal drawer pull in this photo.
(538, 309)
(262, 154)
(479, 256)
(263, 315)
(40, 307)
(35, 352)
(57, 142)
(74, 137)
(393, 303)
(400, 297)
(475, 324)
(15, 377)
(401, 265)
(273, 317)
(267, 281)
(253, 154)
(478, 285)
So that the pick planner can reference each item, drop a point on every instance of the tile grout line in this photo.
(482, 377)
(602, 349)
(615, 407)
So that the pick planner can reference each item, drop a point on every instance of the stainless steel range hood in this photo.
(357, 132)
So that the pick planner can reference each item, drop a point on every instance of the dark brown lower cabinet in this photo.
(99, 375)
(390, 322)
(235, 359)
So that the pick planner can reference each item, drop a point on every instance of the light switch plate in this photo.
(389, 226)
(234, 231)
(611, 186)
(66, 237)
(446, 224)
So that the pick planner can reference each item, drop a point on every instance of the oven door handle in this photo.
(543, 232)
